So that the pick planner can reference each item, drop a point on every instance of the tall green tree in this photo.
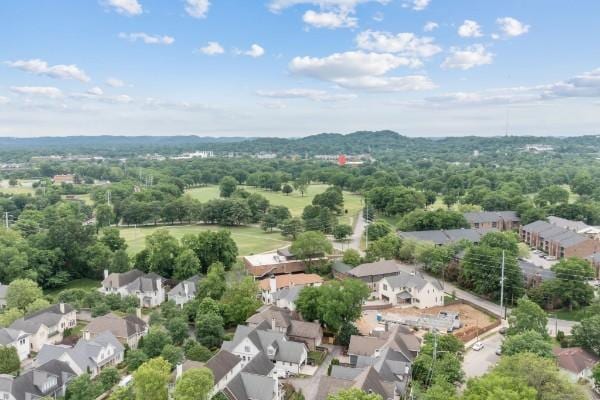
(194, 384)
(227, 186)
(9, 360)
(527, 316)
(21, 293)
(151, 379)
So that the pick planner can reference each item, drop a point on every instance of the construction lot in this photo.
(472, 320)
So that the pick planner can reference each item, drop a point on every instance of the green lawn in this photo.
(250, 240)
(84, 283)
(23, 187)
(575, 315)
(295, 201)
(86, 198)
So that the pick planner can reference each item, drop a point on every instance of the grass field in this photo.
(250, 240)
(24, 187)
(74, 284)
(86, 198)
(295, 201)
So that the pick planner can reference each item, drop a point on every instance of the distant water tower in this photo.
(341, 160)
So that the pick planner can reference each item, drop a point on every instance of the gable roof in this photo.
(121, 327)
(49, 316)
(404, 279)
(365, 345)
(119, 279)
(192, 287)
(490, 216)
(288, 280)
(221, 363)
(568, 224)
(8, 335)
(27, 385)
(375, 268)
(305, 329)
(446, 236)
(575, 359)
(267, 313)
(247, 386)
(340, 267)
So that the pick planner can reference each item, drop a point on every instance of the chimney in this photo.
(186, 290)
(105, 273)
(86, 335)
(273, 324)
(138, 312)
(179, 371)
(61, 307)
(272, 283)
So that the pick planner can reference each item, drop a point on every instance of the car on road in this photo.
(499, 350)
(478, 346)
(503, 330)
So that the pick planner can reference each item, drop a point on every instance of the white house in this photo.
(576, 362)
(48, 381)
(128, 330)
(289, 357)
(88, 355)
(47, 326)
(148, 288)
(17, 339)
(184, 291)
(410, 289)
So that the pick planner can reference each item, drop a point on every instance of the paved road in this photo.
(309, 386)
(477, 363)
(354, 240)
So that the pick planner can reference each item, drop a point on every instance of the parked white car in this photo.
(477, 346)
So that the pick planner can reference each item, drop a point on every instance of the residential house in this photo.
(558, 241)
(128, 330)
(45, 381)
(501, 220)
(340, 269)
(447, 236)
(47, 326)
(284, 321)
(3, 291)
(275, 263)
(381, 365)
(410, 289)
(88, 355)
(534, 275)
(372, 273)
(148, 288)
(17, 339)
(272, 287)
(576, 362)
(184, 291)
(58, 179)
(288, 356)
(576, 226)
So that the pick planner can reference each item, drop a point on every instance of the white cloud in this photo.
(468, 57)
(45, 91)
(406, 43)
(378, 16)
(95, 91)
(4, 100)
(126, 7)
(329, 19)
(511, 27)
(470, 28)
(420, 5)
(146, 38)
(255, 51)
(197, 8)
(430, 26)
(115, 82)
(212, 48)
(361, 70)
(280, 5)
(311, 94)
(584, 85)
(59, 71)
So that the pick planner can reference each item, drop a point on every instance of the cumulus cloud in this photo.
(197, 8)
(512, 27)
(311, 94)
(280, 5)
(44, 91)
(255, 51)
(115, 82)
(41, 67)
(469, 28)
(146, 38)
(420, 5)
(4, 100)
(361, 70)
(125, 7)
(329, 19)
(430, 26)
(468, 57)
(406, 43)
(212, 48)
(95, 91)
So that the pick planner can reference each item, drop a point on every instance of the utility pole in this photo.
(108, 197)
(6, 219)
(502, 289)
(367, 226)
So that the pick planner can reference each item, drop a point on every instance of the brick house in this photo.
(501, 220)
(558, 241)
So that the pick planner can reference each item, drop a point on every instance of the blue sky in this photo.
(299, 67)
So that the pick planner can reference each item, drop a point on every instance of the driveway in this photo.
(477, 363)
(353, 242)
(308, 386)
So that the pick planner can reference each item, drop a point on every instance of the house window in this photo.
(476, 224)
(247, 349)
(384, 286)
(494, 224)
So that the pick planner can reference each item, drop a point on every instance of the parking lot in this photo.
(536, 259)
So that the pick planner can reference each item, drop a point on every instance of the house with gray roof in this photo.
(447, 236)
(48, 380)
(368, 380)
(534, 275)
(184, 291)
(148, 288)
(128, 330)
(501, 220)
(17, 339)
(410, 289)
(289, 357)
(47, 326)
(558, 241)
(372, 273)
(87, 356)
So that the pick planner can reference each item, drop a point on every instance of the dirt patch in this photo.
(472, 319)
